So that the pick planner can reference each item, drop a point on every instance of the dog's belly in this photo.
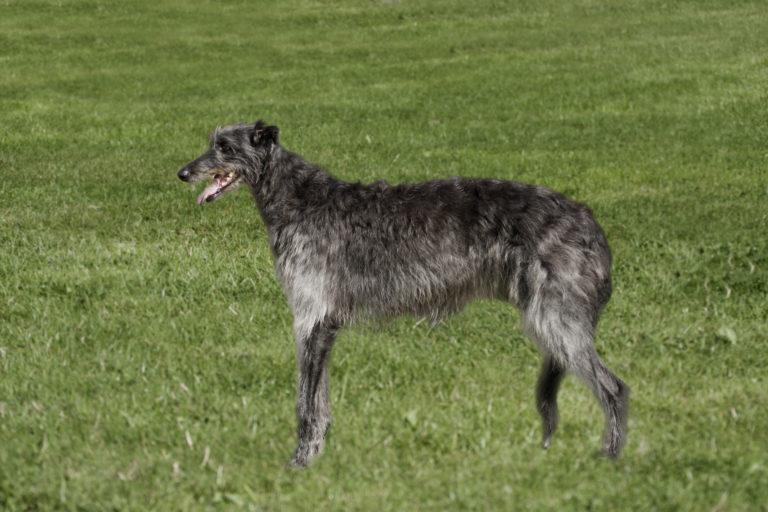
(433, 287)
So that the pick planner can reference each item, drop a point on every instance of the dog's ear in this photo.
(271, 133)
(264, 134)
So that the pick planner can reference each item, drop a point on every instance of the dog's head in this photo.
(235, 154)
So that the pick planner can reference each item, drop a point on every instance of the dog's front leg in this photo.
(313, 408)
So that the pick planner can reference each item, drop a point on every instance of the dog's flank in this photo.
(343, 251)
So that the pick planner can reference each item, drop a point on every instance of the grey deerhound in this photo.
(345, 251)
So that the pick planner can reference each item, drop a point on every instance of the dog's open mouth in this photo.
(221, 183)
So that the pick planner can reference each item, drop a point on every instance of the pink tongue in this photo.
(208, 192)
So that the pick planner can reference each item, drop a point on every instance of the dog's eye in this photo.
(225, 148)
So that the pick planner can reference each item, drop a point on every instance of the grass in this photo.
(146, 359)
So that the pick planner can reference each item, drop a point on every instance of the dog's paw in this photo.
(305, 453)
(297, 462)
(301, 458)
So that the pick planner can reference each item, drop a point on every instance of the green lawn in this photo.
(146, 359)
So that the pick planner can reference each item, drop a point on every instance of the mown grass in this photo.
(145, 351)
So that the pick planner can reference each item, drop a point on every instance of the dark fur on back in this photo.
(344, 251)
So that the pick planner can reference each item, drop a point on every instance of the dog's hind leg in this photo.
(313, 407)
(563, 327)
(551, 376)
(613, 395)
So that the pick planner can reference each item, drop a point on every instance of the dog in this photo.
(347, 251)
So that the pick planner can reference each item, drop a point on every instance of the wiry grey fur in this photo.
(344, 251)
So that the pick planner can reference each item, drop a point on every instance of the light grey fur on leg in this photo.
(613, 395)
(313, 407)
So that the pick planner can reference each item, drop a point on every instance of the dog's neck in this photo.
(285, 185)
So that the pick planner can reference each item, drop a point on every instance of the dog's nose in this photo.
(184, 174)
